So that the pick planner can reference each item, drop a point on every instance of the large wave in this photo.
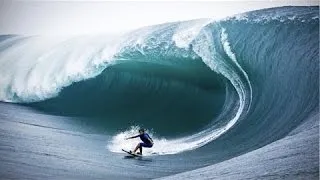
(248, 79)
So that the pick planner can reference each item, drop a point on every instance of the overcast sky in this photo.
(74, 18)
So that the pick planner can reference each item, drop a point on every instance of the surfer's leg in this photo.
(144, 145)
(137, 147)
(140, 149)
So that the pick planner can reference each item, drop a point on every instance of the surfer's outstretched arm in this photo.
(133, 137)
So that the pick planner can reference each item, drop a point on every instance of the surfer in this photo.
(146, 141)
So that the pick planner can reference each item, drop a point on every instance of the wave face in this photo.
(248, 79)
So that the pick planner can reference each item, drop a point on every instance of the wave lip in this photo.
(37, 68)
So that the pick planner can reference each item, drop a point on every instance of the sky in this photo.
(100, 17)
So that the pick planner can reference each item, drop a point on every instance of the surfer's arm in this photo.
(133, 137)
(150, 140)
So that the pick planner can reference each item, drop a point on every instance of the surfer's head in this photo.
(141, 131)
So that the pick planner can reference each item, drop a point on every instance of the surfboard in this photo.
(132, 154)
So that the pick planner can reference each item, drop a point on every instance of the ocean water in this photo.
(207, 91)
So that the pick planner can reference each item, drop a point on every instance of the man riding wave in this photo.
(146, 141)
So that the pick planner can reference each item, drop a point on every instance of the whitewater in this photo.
(209, 92)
